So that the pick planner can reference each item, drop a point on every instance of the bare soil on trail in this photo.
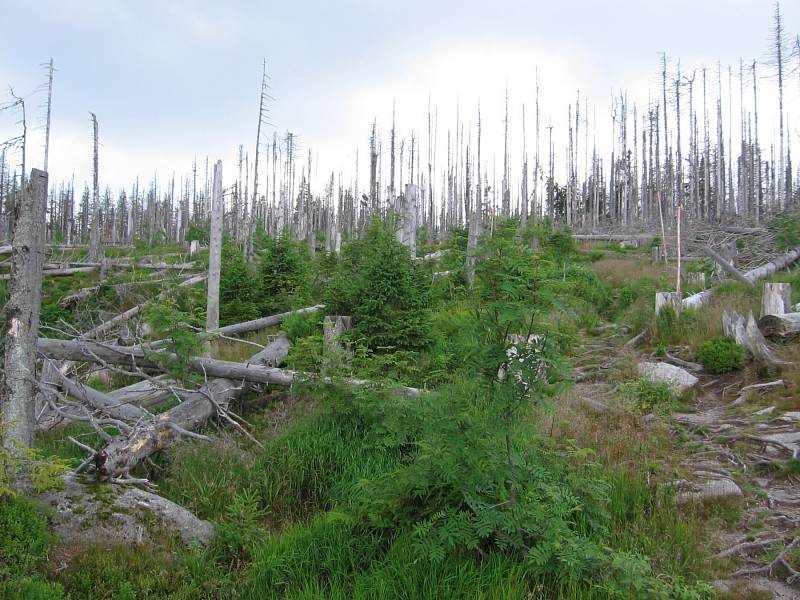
(739, 452)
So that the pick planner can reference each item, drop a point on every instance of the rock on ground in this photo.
(91, 513)
(680, 379)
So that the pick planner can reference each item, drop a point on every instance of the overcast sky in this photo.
(173, 80)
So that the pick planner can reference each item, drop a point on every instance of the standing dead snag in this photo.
(215, 251)
(22, 315)
(94, 233)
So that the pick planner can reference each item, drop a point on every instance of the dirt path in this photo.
(737, 452)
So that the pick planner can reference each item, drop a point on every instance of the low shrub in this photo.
(649, 396)
(721, 355)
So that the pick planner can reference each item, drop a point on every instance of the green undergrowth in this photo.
(462, 491)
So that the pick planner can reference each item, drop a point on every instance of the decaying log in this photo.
(780, 326)
(754, 275)
(112, 324)
(264, 322)
(599, 237)
(260, 369)
(758, 388)
(57, 272)
(80, 296)
(146, 393)
(98, 400)
(776, 299)
(125, 452)
(726, 266)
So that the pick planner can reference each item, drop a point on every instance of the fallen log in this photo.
(125, 452)
(259, 369)
(727, 267)
(264, 322)
(57, 272)
(146, 393)
(111, 324)
(781, 262)
(601, 237)
(780, 326)
(80, 296)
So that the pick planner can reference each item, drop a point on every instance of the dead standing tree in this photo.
(215, 250)
(262, 113)
(94, 233)
(18, 420)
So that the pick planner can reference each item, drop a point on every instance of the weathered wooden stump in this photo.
(697, 279)
(776, 299)
(333, 326)
(668, 299)
(656, 253)
(194, 248)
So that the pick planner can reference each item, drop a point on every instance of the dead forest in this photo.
(570, 372)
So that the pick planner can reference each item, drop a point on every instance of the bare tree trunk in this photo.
(94, 234)
(215, 251)
(22, 316)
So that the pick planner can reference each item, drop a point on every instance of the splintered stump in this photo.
(747, 334)
(776, 299)
(696, 279)
(668, 299)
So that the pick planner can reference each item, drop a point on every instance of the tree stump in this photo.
(194, 248)
(332, 349)
(777, 299)
(668, 299)
(656, 254)
(697, 279)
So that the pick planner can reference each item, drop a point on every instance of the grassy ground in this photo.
(292, 516)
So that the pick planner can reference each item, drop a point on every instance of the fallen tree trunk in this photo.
(111, 324)
(259, 369)
(264, 322)
(727, 267)
(57, 272)
(125, 452)
(601, 237)
(80, 296)
(780, 326)
(754, 275)
(146, 394)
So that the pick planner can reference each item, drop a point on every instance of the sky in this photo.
(171, 81)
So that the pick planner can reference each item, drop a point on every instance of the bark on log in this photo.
(17, 408)
(125, 452)
(776, 299)
(780, 326)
